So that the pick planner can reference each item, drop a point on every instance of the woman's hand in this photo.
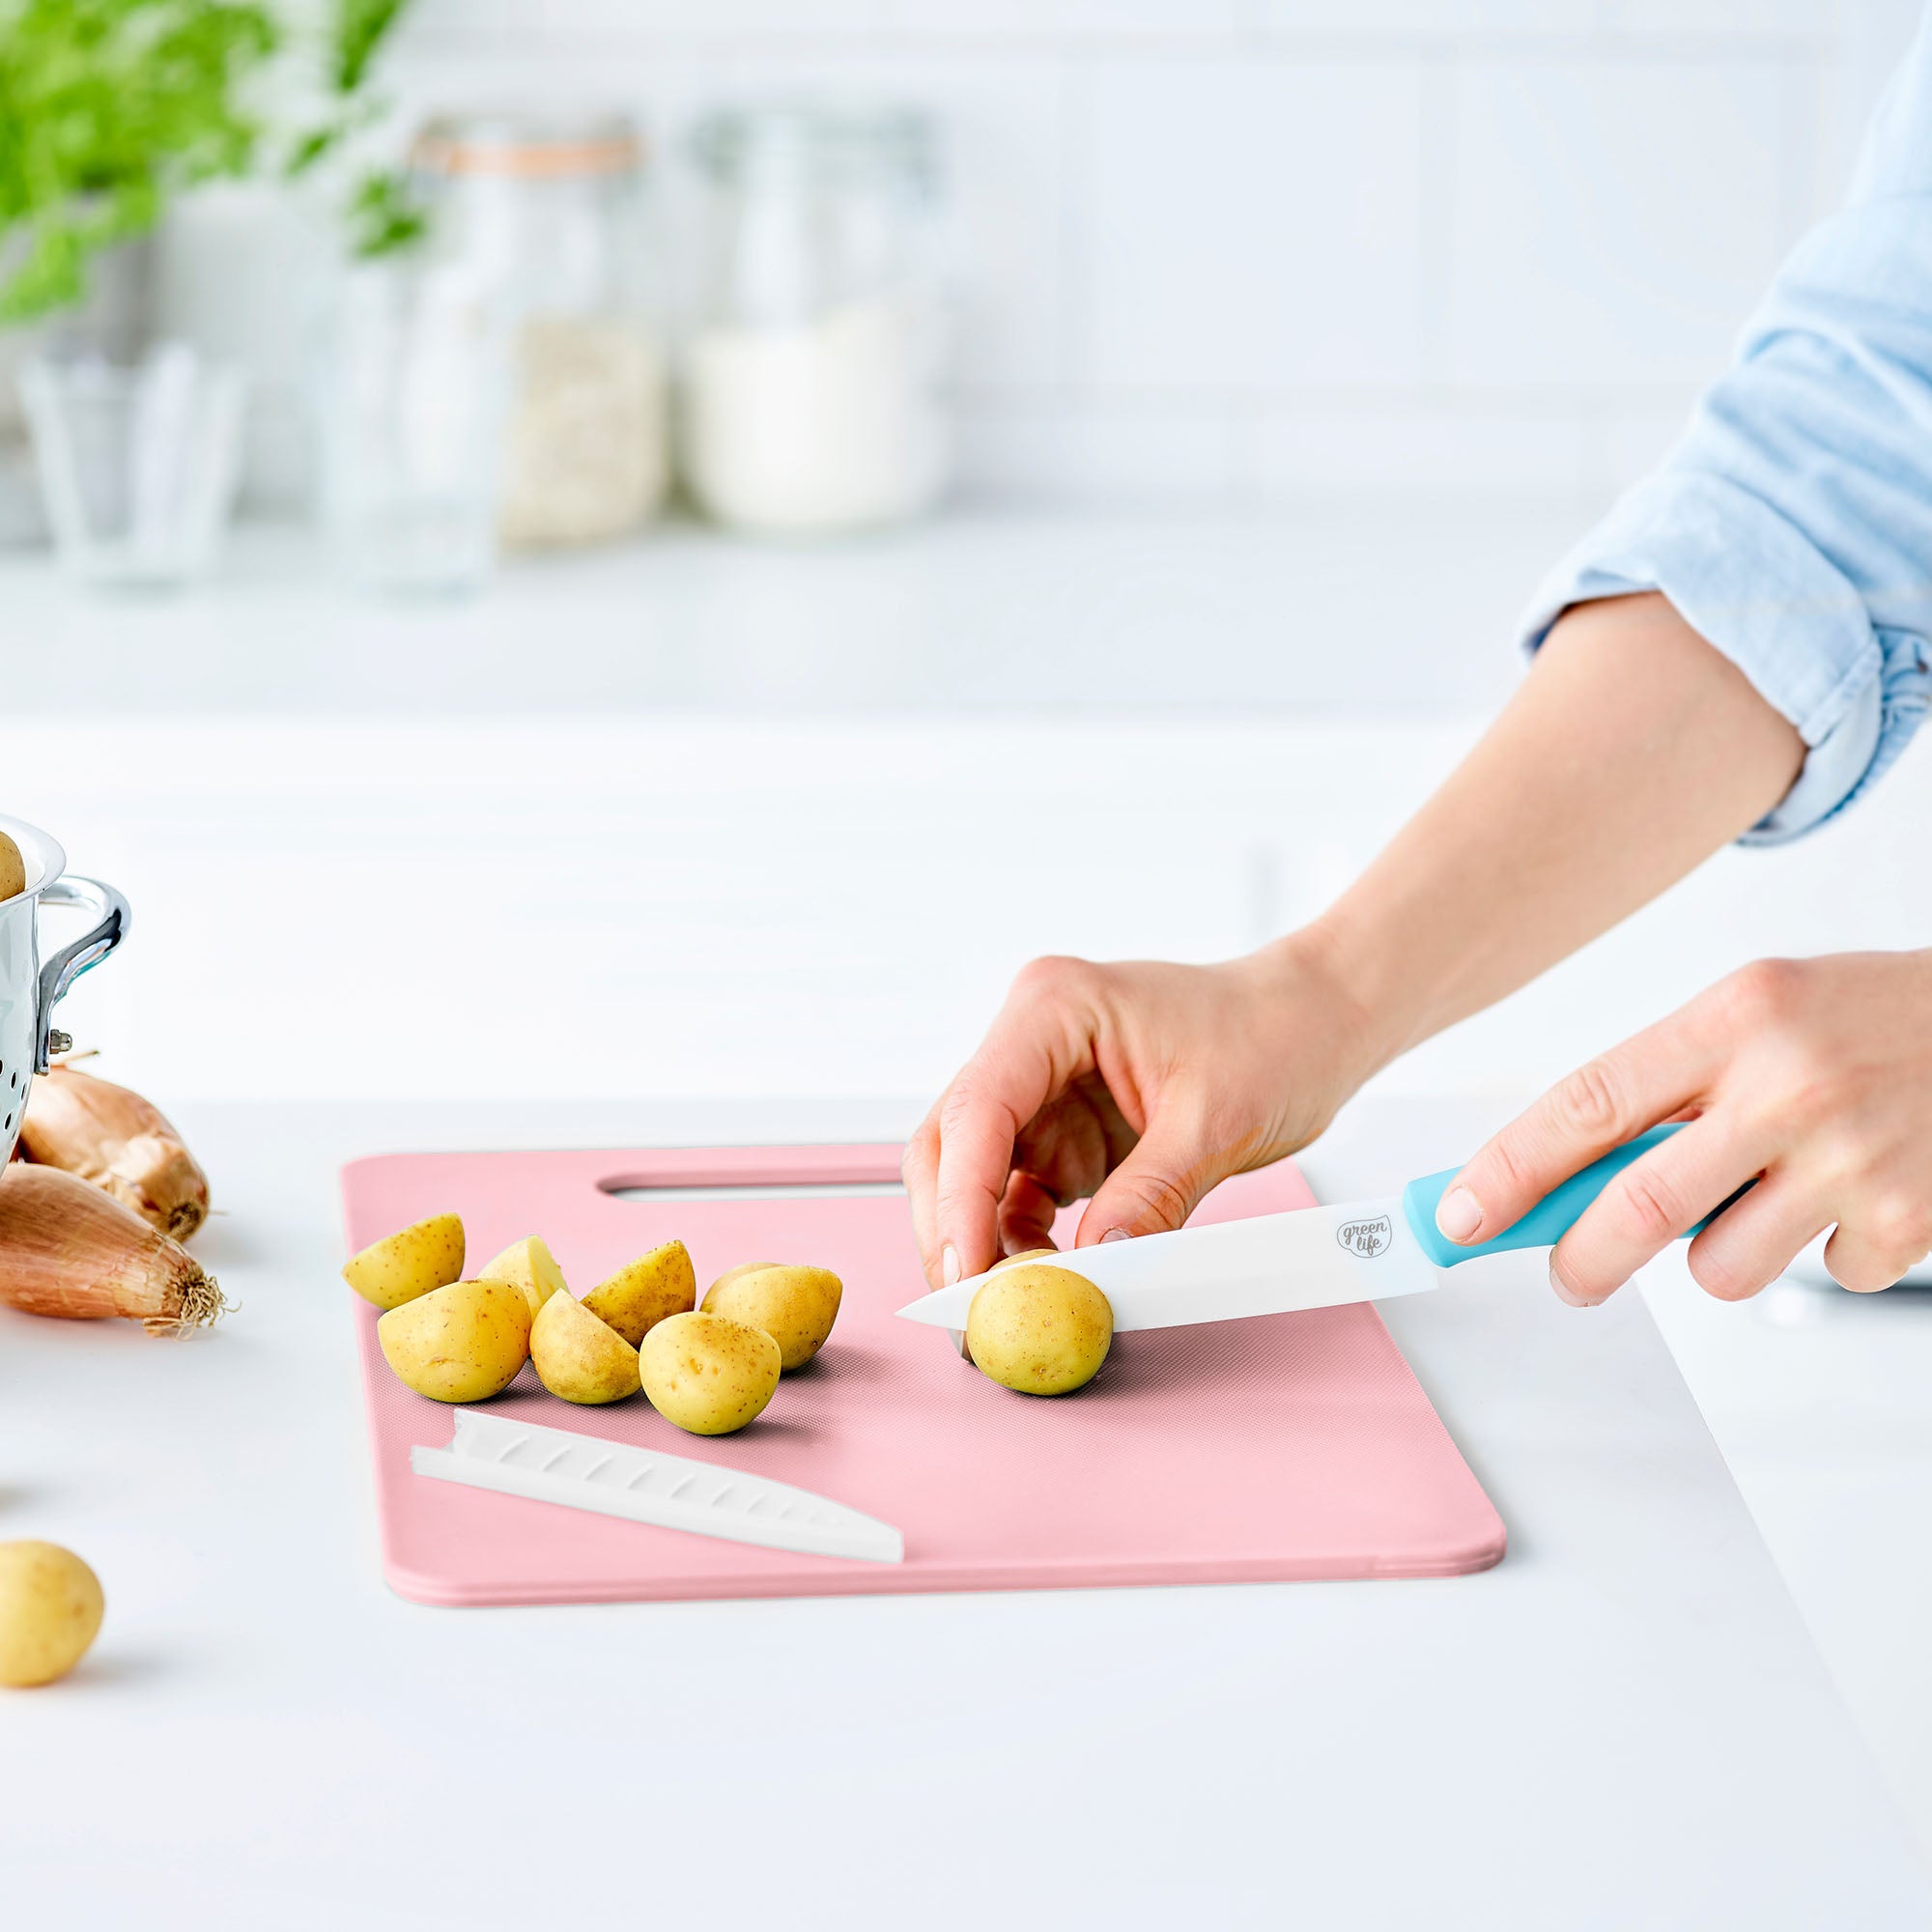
(1140, 1084)
(1812, 1076)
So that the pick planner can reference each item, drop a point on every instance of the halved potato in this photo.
(642, 1293)
(531, 1265)
(708, 1375)
(425, 1255)
(580, 1357)
(459, 1343)
(795, 1306)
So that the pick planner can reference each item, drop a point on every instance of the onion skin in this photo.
(118, 1141)
(68, 1249)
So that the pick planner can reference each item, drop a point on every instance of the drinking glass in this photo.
(138, 464)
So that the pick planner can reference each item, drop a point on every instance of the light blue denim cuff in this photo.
(1754, 585)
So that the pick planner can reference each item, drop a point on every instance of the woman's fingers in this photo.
(1756, 1239)
(1871, 1252)
(1075, 1140)
(920, 1171)
(1036, 1046)
(1027, 1214)
(1646, 1207)
(1160, 1183)
(1600, 1106)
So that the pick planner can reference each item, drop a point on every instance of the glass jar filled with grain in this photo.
(548, 222)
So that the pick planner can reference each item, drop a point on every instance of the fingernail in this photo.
(948, 1265)
(1458, 1214)
(1116, 1234)
(1564, 1292)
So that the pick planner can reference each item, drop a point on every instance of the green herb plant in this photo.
(107, 108)
(382, 214)
(110, 108)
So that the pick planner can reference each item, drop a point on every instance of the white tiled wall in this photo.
(1223, 249)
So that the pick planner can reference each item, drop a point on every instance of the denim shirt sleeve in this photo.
(1792, 524)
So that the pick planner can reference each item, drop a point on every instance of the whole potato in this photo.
(461, 1342)
(531, 1265)
(12, 870)
(795, 1306)
(579, 1356)
(1039, 1329)
(1008, 1261)
(426, 1255)
(50, 1608)
(644, 1291)
(708, 1375)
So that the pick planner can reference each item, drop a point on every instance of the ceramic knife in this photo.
(1309, 1257)
(588, 1473)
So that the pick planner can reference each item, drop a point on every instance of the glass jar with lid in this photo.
(547, 224)
(814, 394)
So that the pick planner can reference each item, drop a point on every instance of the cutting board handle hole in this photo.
(690, 1187)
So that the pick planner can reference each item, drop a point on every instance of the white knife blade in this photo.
(587, 1472)
(1274, 1264)
(1312, 1257)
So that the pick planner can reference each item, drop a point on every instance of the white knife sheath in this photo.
(587, 1472)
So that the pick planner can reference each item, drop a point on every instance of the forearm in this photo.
(1632, 751)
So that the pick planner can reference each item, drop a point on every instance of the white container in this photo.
(29, 989)
(815, 395)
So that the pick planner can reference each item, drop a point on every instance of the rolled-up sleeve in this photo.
(1791, 525)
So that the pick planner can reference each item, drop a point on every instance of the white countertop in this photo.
(979, 611)
(703, 818)
(1624, 1725)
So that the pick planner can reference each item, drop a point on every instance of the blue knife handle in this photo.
(1547, 1223)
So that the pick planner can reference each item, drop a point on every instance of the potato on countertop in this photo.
(50, 1608)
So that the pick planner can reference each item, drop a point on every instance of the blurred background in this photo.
(888, 486)
(662, 548)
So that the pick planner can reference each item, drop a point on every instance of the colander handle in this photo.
(89, 949)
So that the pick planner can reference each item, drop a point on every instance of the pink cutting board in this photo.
(1288, 1446)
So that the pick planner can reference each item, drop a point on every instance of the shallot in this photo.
(69, 1249)
(118, 1141)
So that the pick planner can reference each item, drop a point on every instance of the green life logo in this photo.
(1366, 1238)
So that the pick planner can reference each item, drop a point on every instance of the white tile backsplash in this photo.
(1423, 450)
(1054, 20)
(1219, 249)
(1052, 453)
(1436, 20)
(1614, 220)
(1752, 19)
(1251, 224)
